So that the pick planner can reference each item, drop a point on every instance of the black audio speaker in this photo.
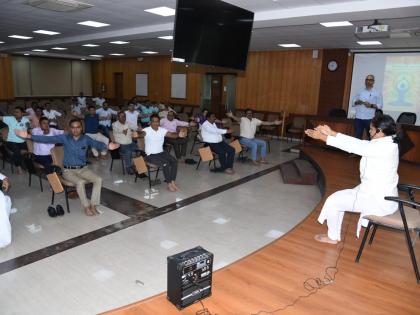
(189, 276)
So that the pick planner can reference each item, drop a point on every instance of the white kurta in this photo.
(378, 176)
(5, 228)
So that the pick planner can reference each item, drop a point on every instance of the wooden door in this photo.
(216, 104)
(118, 88)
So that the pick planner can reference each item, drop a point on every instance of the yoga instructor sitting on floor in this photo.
(75, 169)
(378, 176)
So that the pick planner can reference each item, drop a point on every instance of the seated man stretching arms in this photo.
(248, 125)
(42, 151)
(154, 136)
(378, 175)
(213, 136)
(75, 169)
(124, 135)
(171, 124)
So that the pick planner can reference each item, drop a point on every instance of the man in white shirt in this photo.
(123, 135)
(213, 137)
(105, 114)
(366, 102)
(51, 114)
(5, 211)
(248, 125)
(132, 116)
(99, 100)
(154, 137)
(81, 100)
(171, 124)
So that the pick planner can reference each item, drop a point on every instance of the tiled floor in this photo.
(130, 264)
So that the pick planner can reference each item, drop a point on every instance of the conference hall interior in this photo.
(208, 157)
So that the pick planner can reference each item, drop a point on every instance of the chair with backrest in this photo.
(115, 154)
(407, 118)
(406, 219)
(141, 166)
(337, 113)
(296, 128)
(33, 167)
(57, 154)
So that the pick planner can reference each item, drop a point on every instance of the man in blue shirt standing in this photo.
(366, 102)
(75, 170)
(92, 131)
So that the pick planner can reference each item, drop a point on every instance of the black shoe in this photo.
(60, 210)
(52, 212)
(217, 170)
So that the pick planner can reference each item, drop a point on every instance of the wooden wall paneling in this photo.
(6, 78)
(331, 90)
(347, 85)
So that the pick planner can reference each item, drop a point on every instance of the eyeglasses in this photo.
(370, 80)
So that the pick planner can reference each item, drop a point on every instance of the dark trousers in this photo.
(46, 161)
(167, 162)
(104, 130)
(361, 125)
(179, 145)
(225, 152)
(126, 152)
(16, 148)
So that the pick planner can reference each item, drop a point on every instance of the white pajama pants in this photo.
(334, 208)
(101, 138)
(5, 227)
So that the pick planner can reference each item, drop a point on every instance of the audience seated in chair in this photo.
(75, 170)
(132, 116)
(154, 137)
(123, 135)
(105, 114)
(14, 143)
(51, 114)
(179, 144)
(92, 130)
(248, 125)
(42, 151)
(212, 135)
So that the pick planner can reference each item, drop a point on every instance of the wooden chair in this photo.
(406, 219)
(143, 167)
(296, 128)
(57, 154)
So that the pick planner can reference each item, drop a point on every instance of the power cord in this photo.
(313, 285)
(204, 310)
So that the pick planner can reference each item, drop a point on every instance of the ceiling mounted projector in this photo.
(373, 31)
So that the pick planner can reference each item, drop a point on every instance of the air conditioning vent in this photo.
(59, 5)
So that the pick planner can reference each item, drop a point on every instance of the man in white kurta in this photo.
(5, 210)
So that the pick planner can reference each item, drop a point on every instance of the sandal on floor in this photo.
(52, 212)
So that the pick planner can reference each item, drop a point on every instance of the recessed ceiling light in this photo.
(117, 54)
(59, 48)
(289, 45)
(336, 24)
(46, 32)
(369, 42)
(40, 50)
(163, 11)
(26, 54)
(178, 59)
(90, 45)
(1, 42)
(119, 42)
(93, 24)
(19, 37)
(83, 59)
(149, 52)
(169, 37)
(97, 56)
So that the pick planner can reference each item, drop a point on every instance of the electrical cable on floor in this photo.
(204, 310)
(313, 285)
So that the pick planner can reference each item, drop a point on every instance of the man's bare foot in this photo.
(175, 186)
(94, 210)
(255, 163)
(103, 157)
(229, 171)
(323, 238)
(263, 161)
(88, 212)
(171, 187)
(19, 170)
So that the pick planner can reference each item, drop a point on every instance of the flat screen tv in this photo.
(212, 32)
